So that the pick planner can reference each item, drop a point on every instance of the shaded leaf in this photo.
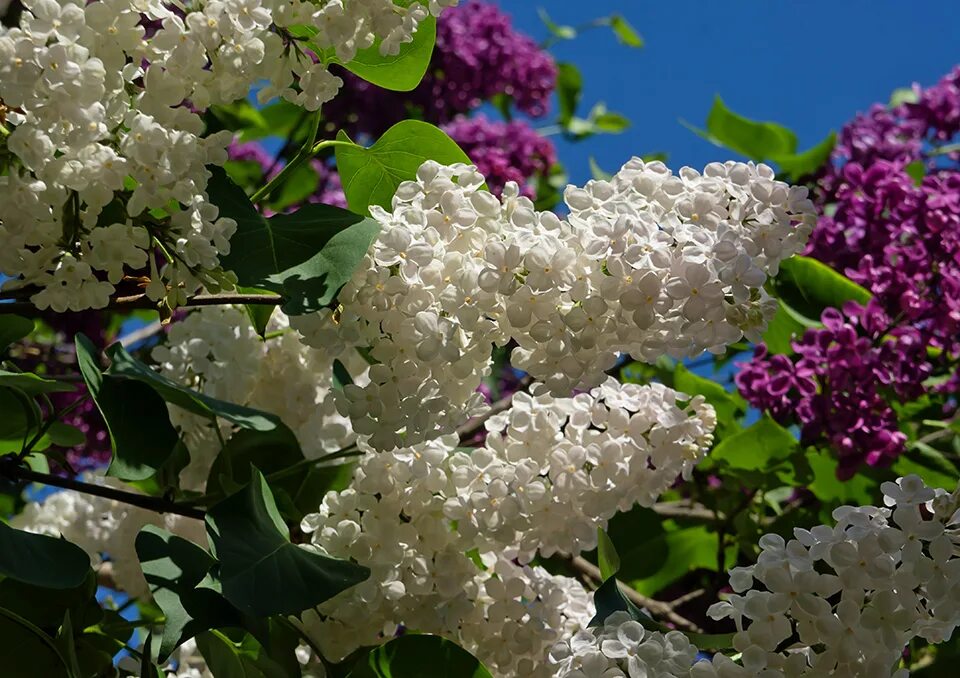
(419, 656)
(40, 560)
(141, 435)
(13, 328)
(261, 571)
(32, 384)
(607, 557)
(305, 256)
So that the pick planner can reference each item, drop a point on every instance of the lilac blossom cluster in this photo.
(899, 236)
(504, 151)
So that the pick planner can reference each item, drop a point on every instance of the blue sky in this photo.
(809, 65)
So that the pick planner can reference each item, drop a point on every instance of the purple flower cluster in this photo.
(503, 151)
(478, 55)
(838, 386)
(899, 238)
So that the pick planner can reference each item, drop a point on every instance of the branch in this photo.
(685, 509)
(9, 468)
(656, 608)
(139, 301)
(472, 427)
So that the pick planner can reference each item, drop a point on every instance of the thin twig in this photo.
(472, 427)
(657, 608)
(686, 598)
(141, 301)
(141, 334)
(684, 509)
(9, 468)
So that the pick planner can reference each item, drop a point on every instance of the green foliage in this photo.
(763, 141)
(860, 490)
(809, 286)
(305, 256)
(621, 28)
(607, 557)
(569, 91)
(141, 436)
(245, 658)
(759, 447)
(261, 571)
(608, 598)
(787, 326)
(40, 560)
(13, 328)
(124, 365)
(174, 569)
(626, 34)
(419, 656)
(598, 121)
(32, 384)
(371, 175)
(729, 406)
(928, 463)
(28, 651)
(400, 72)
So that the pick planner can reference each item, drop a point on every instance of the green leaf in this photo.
(859, 490)
(787, 326)
(809, 286)
(569, 91)
(28, 652)
(300, 185)
(556, 30)
(18, 419)
(598, 172)
(39, 560)
(306, 256)
(686, 549)
(625, 33)
(729, 406)
(607, 557)
(269, 451)
(371, 175)
(259, 314)
(341, 377)
(916, 170)
(32, 384)
(262, 572)
(806, 163)
(141, 435)
(124, 365)
(756, 140)
(13, 328)
(148, 669)
(65, 642)
(928, 463)
(46, 607)
(399, 72)
(419, 656)
(608, 598)
(239, 116)
(246, 659)
(65, 435)
(759, 447)
(281, 119)
(174, 567)
(903, 95)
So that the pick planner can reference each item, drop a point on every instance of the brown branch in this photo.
(472, 427)
(684, 509)
(141, 334)
(10, 468)
(140, 301)
(656, 608)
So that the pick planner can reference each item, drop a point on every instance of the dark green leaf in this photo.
(40, 560)
(607, 557)
(245, 659)
(370, 176)
(686, 549)
(259, 314)
(306, 256)
(608, 598)
(341, 377)
(141, 435)
(173, 568)
(239, 116)
(122, 364)
(31, 383)
(65, 642)
(13, 328)
(419, 656)
(269, 451)
(928, 463)
(65, 435)
(46, 607)
(280, 118)
(261, 571)
(28, 652)
(916, 170)
(758, 447)
(625, 33)
(148, 669)
(809, 286)
(300, 185)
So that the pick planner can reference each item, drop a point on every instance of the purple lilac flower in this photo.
(478, 55)
(504, 151)
(901, 240)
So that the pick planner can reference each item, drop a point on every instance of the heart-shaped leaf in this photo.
(419, 656)
(40, 560)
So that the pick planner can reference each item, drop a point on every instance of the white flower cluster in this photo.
(647, 263)
(554, 470)
(851, 596)
(216, 351)
(834, 601)
(105, 527)
(101, 106)
(622, 647)
(551, 473)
